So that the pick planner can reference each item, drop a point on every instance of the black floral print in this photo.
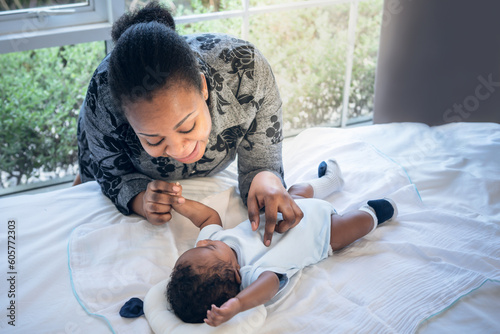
(246, 121)
(216, 81)
(164, 166)
(208, 41)
(227, 139)
(275, 132)
(91, 98)
(241, 59)
(251, 131)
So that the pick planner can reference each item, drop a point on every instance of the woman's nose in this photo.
(176, 149)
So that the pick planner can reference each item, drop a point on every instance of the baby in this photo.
(230, 271)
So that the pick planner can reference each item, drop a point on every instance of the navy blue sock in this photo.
(385, 209)
(322, 168)
(132, 309)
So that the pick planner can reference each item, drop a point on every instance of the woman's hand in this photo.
(219, 315)
(155, 203)
(267, 191)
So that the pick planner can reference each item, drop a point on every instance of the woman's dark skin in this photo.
(171, 117)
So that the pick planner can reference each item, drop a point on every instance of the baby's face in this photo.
(208, 253)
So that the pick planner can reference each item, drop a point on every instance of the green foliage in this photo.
(307, 50)
(41, 91)
(365, 58)
(40, 96)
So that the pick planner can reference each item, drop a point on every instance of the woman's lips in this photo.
(192, 155)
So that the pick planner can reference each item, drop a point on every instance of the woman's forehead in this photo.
(171, 110)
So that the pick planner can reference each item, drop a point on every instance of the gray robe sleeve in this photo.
(105, 144)
(265, 133)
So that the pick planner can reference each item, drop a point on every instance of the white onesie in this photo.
(305, 244)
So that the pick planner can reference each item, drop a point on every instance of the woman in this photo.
(163, 107)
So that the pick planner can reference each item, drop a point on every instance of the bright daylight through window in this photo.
(323, 54)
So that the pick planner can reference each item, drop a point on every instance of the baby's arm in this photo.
(200, 214)
(259, 292)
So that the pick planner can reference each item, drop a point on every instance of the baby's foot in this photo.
(329, 179)
(382, 210)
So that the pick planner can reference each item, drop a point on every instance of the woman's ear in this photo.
(204, 86)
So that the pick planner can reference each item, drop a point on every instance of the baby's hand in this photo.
(219, 315)
(178, 193)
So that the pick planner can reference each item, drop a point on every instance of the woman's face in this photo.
(176, 123)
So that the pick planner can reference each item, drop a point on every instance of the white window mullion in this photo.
(351, 41)
(245, 29)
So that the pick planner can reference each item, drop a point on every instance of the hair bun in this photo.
(152, 12)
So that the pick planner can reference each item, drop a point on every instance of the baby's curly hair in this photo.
(192, 292)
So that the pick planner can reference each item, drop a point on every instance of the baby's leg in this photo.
(356, 224)
(301, 190)
(329, 180)
(349, 227)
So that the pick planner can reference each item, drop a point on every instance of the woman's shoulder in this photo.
(103, 65)
(213, 42)
(219, 49)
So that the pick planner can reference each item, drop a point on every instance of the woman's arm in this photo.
(105, 144)
(102, 145)
(259, 292)
(199, 214)
(261, 148)
(260, 167)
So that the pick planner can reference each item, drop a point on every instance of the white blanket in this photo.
(457, 172)
(389, 281)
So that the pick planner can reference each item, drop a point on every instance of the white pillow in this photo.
(162, 320)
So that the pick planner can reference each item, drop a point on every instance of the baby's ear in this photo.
(237, 275)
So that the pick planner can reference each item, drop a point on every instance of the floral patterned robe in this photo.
(245, 108)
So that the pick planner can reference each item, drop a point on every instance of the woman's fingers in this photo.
(160, 186)
(292, 215)
(159, 219)
(158, 200)
(271, 208)
(253, 212)
(269, 193)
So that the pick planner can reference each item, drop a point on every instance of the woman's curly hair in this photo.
(192, 292)
(149, 56)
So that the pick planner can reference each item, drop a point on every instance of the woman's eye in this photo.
(155, 144)
(188, 131)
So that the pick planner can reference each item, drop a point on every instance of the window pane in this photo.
(260, 3)
(307, 51)
(40, 96)
(365, 60)
(190, 7)
(227, 26)
(8, 5)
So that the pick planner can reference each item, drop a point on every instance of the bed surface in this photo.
(437, 267)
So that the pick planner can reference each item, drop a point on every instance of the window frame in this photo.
(94, 23)
(44, 27)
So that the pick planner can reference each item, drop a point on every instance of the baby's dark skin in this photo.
(344, 230)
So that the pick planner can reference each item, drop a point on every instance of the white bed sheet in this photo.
(456, 169)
